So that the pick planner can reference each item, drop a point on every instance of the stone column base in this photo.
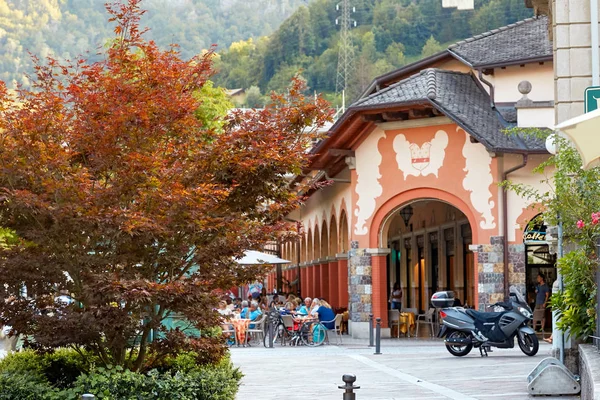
(360, 330)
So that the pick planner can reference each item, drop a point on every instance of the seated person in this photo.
(314, 306)
(254, 313)
(325, 313)
(305, 308)
(226, 314)
(224, 310)
(244, 312)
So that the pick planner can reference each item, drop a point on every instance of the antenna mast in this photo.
(346, 51)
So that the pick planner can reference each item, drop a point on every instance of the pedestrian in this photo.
(396, 297)
(542, 292)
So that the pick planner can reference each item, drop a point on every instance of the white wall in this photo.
(506, 81)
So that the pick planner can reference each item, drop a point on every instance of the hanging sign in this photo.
(534, 233)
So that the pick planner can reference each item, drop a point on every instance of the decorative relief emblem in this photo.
(422, 160)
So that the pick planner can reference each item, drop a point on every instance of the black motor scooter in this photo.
(466, 328)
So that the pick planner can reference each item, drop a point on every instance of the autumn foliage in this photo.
(122, 200)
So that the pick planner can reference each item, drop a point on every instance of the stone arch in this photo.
(344, 240)
(382, 218)
(333, 236)
(316, 243)
(324, 240)
(309, 246)
(303, 248)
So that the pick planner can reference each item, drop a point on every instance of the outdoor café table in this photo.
(240, 325)
(407, 322)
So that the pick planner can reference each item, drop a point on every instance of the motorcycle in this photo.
(464, 329)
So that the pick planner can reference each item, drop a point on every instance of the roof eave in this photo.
(515, 62)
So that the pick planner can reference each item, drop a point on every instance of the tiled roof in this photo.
(459, 97)
(521, 41)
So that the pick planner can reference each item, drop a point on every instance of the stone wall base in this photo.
(360, 330)
(589, 367)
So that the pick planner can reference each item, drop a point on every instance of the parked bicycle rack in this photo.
(551, 377)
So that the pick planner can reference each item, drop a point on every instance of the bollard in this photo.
(378, 337)
(87, 397)
(349, 387)
(370, 330)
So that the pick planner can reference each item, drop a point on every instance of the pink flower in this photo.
(580, 224)
(595, 218)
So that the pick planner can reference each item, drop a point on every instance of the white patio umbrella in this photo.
(253, 257)
(584, 132)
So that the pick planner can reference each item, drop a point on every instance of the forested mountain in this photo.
(67, 28)
(389, 34)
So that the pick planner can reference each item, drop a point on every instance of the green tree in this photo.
(431, 47)
(254, 98)
(394, 55)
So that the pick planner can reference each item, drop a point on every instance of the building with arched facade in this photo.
(414, 168)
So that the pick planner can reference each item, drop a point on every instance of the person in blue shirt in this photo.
(325, 313)
(254, 313)
(305, 308)
(244, 312)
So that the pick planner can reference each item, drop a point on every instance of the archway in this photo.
(344, 240)
(429, 251)
(316, 244)
(333, 237)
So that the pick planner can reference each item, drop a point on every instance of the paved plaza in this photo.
(407, 369)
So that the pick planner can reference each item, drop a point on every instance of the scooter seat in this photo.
(483, 316)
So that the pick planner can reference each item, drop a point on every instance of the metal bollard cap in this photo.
(349, 380)
(87, 397)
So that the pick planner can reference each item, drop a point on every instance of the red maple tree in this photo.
(126, 204)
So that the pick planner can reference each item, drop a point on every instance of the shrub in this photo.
(211, 382)
(60, 376)
(26, 362)
(63, 366)
(25, 386)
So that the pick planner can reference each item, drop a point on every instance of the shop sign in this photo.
(534, 236)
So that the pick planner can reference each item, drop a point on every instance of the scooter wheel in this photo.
(459, 350)
(529, 345)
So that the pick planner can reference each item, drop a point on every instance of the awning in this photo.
(253, 257)
(584, 132)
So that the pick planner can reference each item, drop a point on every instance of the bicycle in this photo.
(281, 334)
(313, 333)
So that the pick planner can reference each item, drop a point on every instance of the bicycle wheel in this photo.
(313, 334)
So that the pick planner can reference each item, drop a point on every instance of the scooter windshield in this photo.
(518, 296)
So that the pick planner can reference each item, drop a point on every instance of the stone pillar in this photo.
(324, 280)
(342, 261)
(572, 56)
(490, 267)
(361, 289)
(516, 267)
(379, 282)
(334, 284)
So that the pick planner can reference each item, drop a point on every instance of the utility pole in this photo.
(346, 51)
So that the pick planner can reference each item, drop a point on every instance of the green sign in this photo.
(592, 98)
